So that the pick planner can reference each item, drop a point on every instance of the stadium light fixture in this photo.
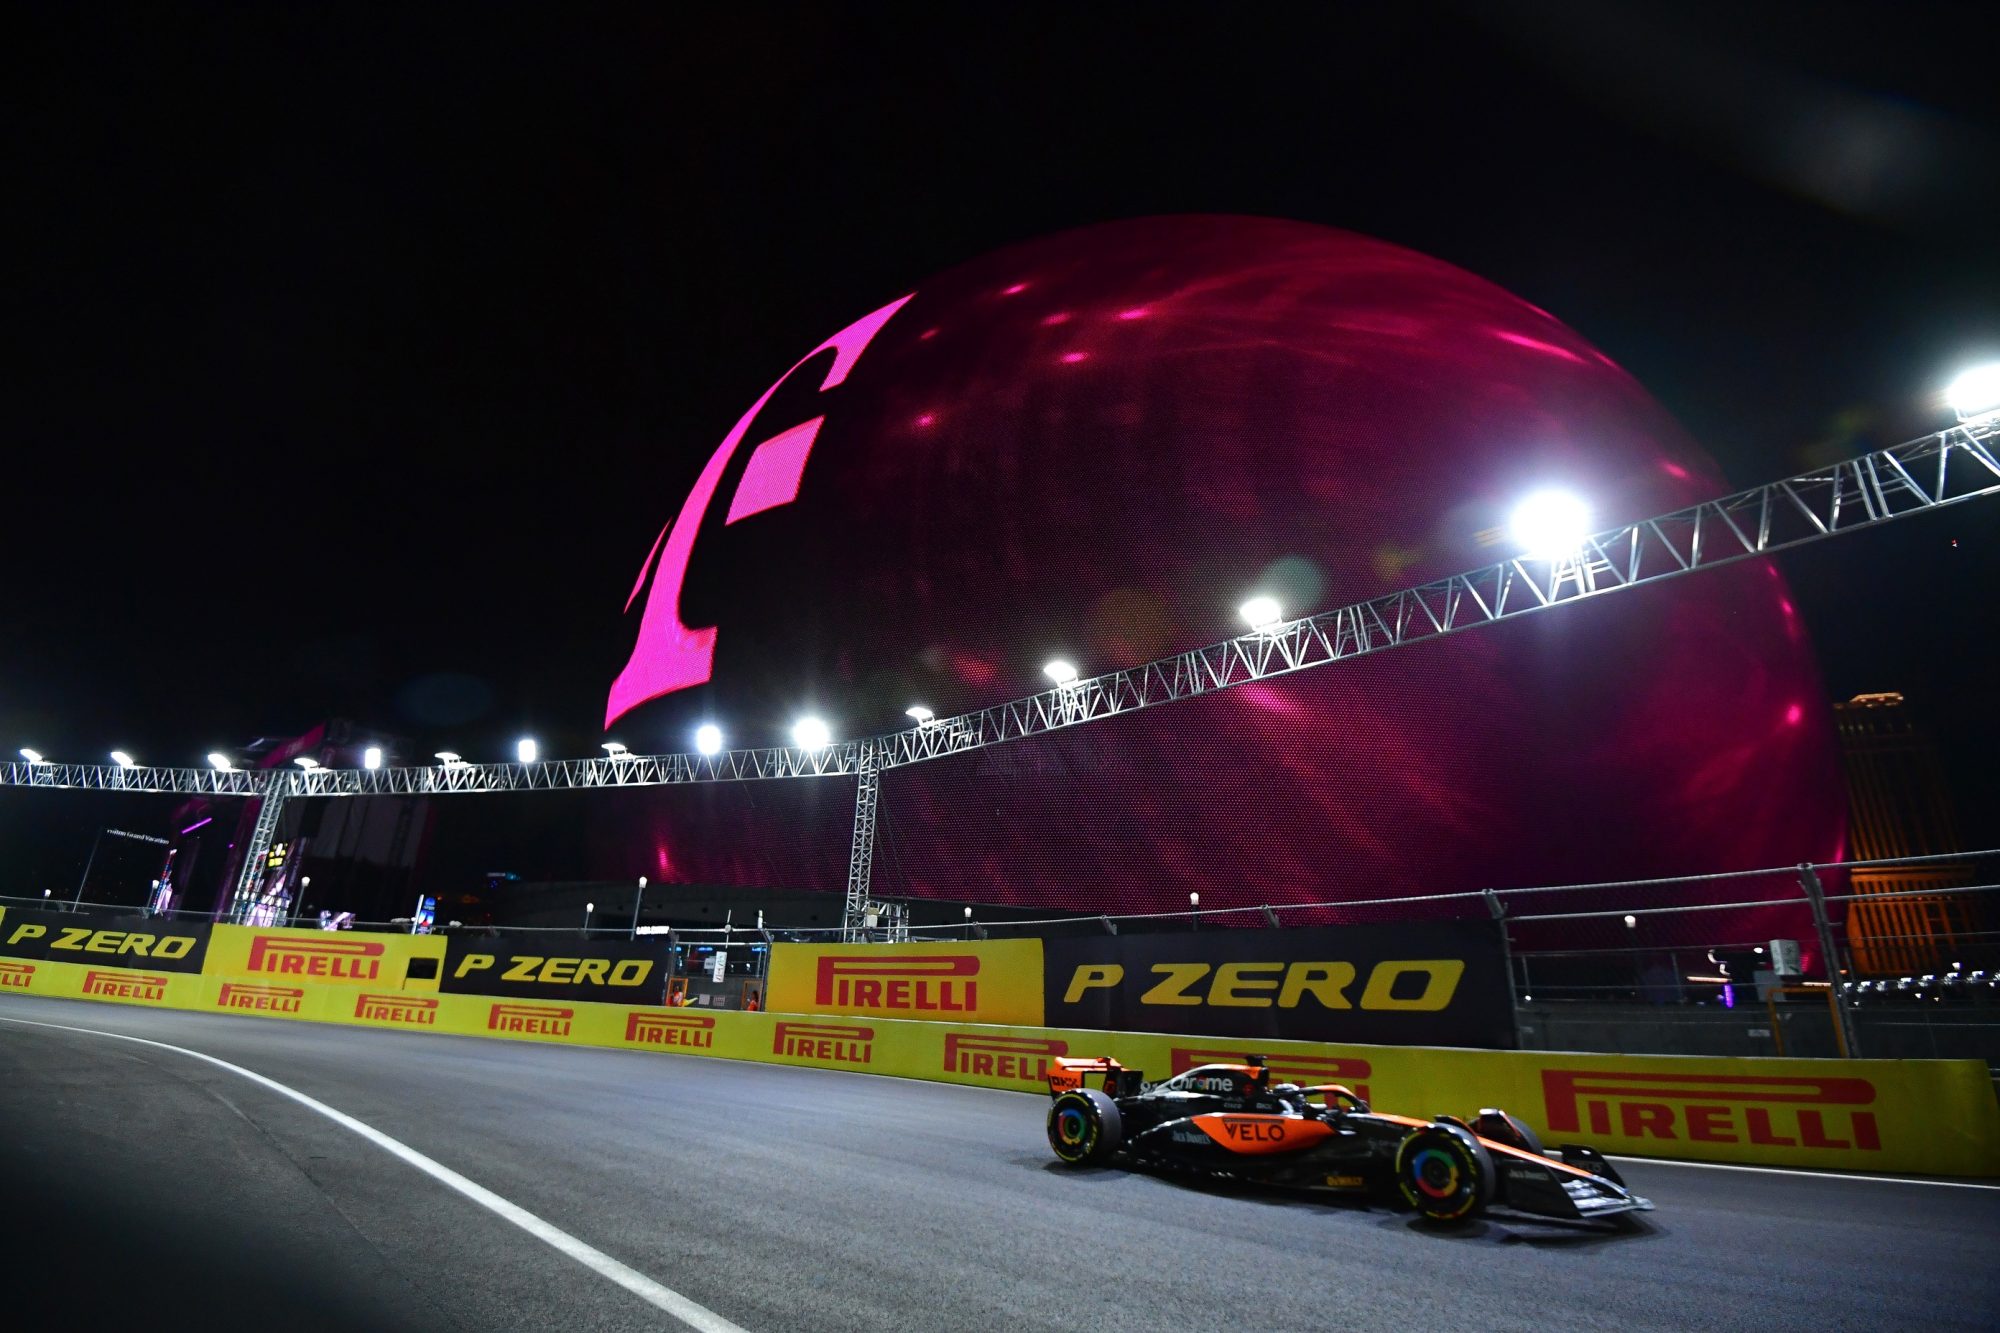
(120, 758)
(1262, 614)
(923, 715)
(1549, 525)
(1063, 673)
(615, 750)
(525, 750)
(1631, 922)
(371, 758)
(220, 762)
(810, 733)
(448, 757)
(708, 737)
(1975, 394)
(32, 756)
(307, 762)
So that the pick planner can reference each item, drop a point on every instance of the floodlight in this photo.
(809, 733)
(1631, 922)
(1061, 672)
(615, 750)
(221, 762)
(1976, 393)
(1262, 614)
(525, 750)
(120, 758)
(708, 737)
(306, 762)
(32, 756)
(1549, 525)
(920, 713)
(371, 758)
(448, 757)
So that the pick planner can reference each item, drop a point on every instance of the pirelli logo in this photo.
(911, 983)
(1304, 1070)
(16, 976)
(689, 1031)
(530, 1020)
(843, 1043)
(125, 986)
(1714, 1108)
(331, 959)
(1025, 1059)
(409, 1010)
(260, 999)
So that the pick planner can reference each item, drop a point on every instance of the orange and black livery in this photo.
(1231, 1121)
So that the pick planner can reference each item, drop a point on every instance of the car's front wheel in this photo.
(1444, 1173)
(1084, 1127)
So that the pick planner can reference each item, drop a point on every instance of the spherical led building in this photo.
(1096, 445)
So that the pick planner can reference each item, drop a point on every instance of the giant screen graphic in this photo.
(1096, 445)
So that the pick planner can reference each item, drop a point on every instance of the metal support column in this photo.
(269, 811)
(861, 856)
(1499, 911)
(1816, 896)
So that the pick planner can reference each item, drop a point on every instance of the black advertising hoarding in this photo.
(153, 943)
(1437, 984)
(557, 966)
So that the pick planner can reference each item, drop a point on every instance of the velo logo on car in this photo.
(407, 1010)
(691, 1031)
(1022, 1060)
(530, 1020)
(125, 986)
(17, 976)
(260, 999)
(1304, 1070)
(1766, 1111)
(840, 1043)
(321, 959)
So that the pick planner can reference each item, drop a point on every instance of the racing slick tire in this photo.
(1084, 1127)
(1444, 1173)
(1508, 1129)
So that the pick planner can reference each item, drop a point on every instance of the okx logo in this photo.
(1017, 1059)
(1714, 1108)
(670, 654)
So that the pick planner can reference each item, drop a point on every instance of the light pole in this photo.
(88, 862)
(635, 906)
(1194, 901)
(588, 908)
(968, 923)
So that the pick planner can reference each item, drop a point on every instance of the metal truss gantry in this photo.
(1947, 468)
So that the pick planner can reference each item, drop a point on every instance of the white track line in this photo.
(1799, 1171)
(693, 1315)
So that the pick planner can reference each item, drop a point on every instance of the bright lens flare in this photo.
(1059, 671)
(1976, 393)
(708, 738)
(809, 733)
(1261, 613)
(1549, 525)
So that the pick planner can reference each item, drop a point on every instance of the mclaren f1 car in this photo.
(1229, 1121)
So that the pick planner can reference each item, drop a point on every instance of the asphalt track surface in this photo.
(144, 1189)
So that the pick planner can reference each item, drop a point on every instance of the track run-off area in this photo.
(323, 1177)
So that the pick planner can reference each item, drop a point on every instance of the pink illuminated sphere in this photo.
(1096, 445)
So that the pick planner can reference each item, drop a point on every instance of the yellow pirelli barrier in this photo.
(1934, 1117)
(325, 957)
(999, 981)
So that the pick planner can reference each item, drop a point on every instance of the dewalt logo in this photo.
(1305, 1070)
(1415, 985)
(1021, 1059)
(694, 1031)
(125, 986)
(844, 1043)
(530, 1020)
(1714, 1108)
(17, 976)
(260, 999)
(82, 939)
(407, 1010)
(328, 959)
(907, 983)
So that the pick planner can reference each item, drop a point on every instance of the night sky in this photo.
(355, 356)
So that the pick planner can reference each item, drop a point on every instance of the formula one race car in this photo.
(1229, 1121)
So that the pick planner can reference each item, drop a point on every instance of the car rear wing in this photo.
(1067, 1075)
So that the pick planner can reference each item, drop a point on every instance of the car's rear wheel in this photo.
(1444, 1173)
(1084, 1127)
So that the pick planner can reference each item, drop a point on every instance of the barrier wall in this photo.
(1935, 1117)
